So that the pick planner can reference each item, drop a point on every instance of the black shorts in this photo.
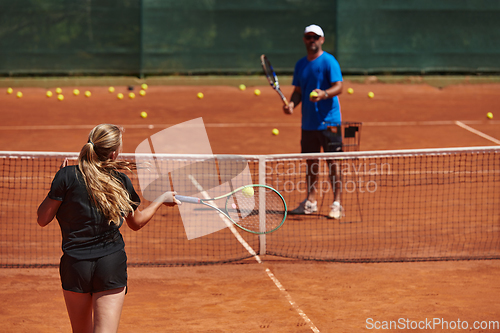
(94, 275)
(330, 140)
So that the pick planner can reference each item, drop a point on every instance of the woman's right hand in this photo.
(168, 199)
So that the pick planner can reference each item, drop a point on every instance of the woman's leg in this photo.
(79, 306)
(108, 309)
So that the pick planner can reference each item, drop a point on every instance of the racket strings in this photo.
(246, 210)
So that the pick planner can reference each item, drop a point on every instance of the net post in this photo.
(262, 204)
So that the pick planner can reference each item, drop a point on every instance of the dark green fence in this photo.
(220, 36)
(150, 37)
(69, 36)
(419, 35)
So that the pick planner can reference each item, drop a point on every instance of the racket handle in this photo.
(183, 198)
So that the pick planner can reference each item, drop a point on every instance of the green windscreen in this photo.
(151, 37)
(193, 36)
(69, 37)
(419, 36)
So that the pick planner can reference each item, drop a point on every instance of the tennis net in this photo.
(410, 205)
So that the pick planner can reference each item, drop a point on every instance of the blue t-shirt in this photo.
(318, 74)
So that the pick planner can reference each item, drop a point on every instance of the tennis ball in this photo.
(144, 86)
(350, 91)
(10, 91)
(88, 93)
(242, 87)
(19, 94)
(199, 95)
(142, 92)
(275, 131)
(371, 94)
(257, 92)
(111, 89)
(144, 114)
(131, 95)
(58, 90)
(120, 96)
(489, 115)
(248, 192)
(313, 94)
(48, 93)
(60, 97)
(76, 92)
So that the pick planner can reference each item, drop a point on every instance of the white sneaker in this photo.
(336, 211)
(306, 207)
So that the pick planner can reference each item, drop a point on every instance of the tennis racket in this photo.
(272, 77)
(258, 209)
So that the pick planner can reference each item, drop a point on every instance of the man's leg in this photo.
(335, 176)
(333, 144)
(312, 179)
(310, 143)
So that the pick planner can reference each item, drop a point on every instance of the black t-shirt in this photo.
(86, 233)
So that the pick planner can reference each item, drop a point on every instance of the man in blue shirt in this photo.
(318, 81)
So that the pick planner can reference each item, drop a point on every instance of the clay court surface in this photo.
(242, 297)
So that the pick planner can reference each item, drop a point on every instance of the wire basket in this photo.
(351, 134)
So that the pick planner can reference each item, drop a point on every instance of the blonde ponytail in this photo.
(98, 166)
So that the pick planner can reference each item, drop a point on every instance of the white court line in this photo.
(481, 134)
(238, 125)
(278, 284)
(290, 300)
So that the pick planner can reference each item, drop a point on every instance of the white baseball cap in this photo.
(314, 28)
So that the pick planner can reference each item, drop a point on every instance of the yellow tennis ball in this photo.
(371, 94)
(48, 93)
(313, 94)
(58, 90)
(76, 92)
(257, 92)
(144, 86)
(88, 94)
(275, 131)
(131, 95)
(111, 89)
(350, 91)
(120, 96)
(242, 87)
(199, 95)
(19, 94)
(144, 114)
(489, 115)
(248, 192)
(10, 91)
(60, 97)
(142, 92)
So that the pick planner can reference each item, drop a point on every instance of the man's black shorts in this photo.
(330, 140)
(94, 275)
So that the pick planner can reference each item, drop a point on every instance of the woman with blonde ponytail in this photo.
(91, 201)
